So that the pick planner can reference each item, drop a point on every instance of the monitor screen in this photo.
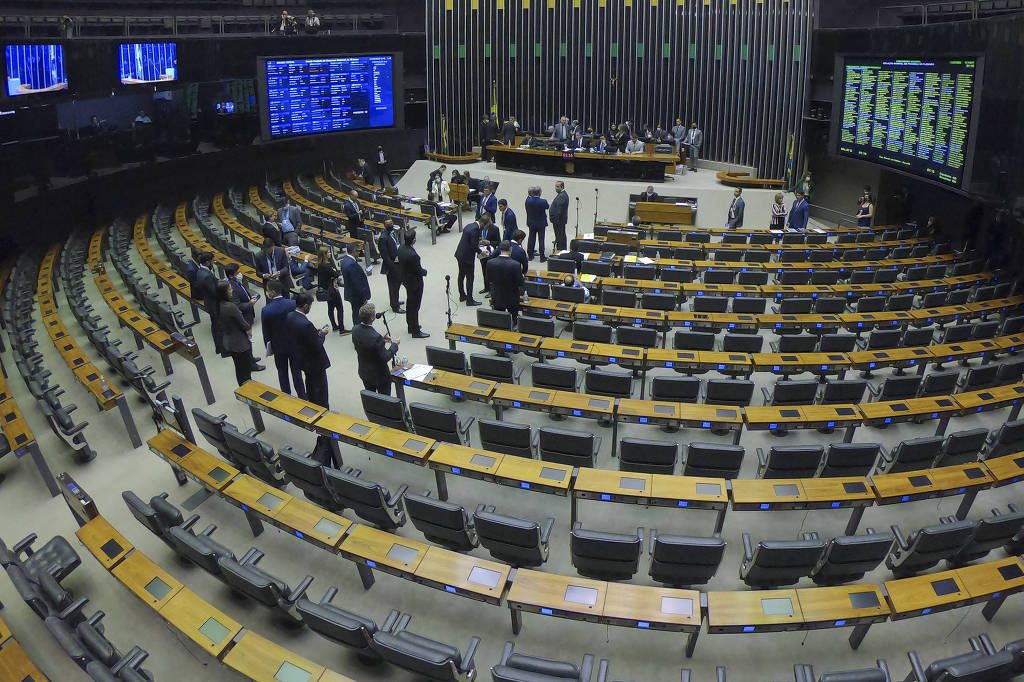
(310, 95)
(147, 62)
(34, 68)
(914, 115)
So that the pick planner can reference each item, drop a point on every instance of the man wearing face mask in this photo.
(244, 299)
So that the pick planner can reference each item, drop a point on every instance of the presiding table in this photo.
(650, 167)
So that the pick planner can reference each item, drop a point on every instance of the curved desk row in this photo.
(254, 238)
(819, 249)
(14, 662)
(177, 285)
(197, 243)
(326, 188)
(828, 232)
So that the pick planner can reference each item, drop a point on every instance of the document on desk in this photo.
(417, 372)
(645, 260)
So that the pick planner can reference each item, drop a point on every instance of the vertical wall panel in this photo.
(737, 67)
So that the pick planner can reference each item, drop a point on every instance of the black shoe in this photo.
(543, 259)
(400, 311)
(471, 302)
(482, 291)
(256, 359)
(344, 331)
(258, 368)
(462, 297)
(401, 303)
(421, 335)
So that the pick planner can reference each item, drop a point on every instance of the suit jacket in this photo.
(736, 210)
(357, 287)
(508, 132)
(644, 196)
(600, 147)
(278, 258)
(466, 251)
(271, 230)
(799, 215)
(626, 130)
(241, 297)
(578, 143)
(559, 211)
(307, 351)
(273, 317)
(678, 131)
(489, 131)
(510, 225)
(505, 280)
(233, 328)
(561, 131)
(295, 217)
(388, 248)
(353, 213)
(493, 235)
(409, 267)
(519, 255)
(635, 147)
(373, 354)
(536, 212)
(488, 205)
(203, 291)
(698, 137)
(364, 172)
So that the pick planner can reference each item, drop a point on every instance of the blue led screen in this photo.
(147, 62)
(34, 68)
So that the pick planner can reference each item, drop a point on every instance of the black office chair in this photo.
(837, 343)
(990, 532)
(506, 437)
(843, 391)
(257, 457)
(443, 523)
(212, 429)
(593, 332)
(883, 339)
(790, 393)
(370, 501)
(641, 337)
(613, 384)
(748, 306)
(306, 474)
(647, 456)
(829, 305)
(423, 656)
(913, 338)
(728, 392)
(713, 276)
(519, 542)
(679, 389)
(156, 522)
(805, 673)
(977, 378)
(793, 461)
(537, 326)
(341, 626)
(605, 556)
(440, 424)
(561, 292)
(494, 319)
(385, 410)
(712, 460)
(447, 359)
(910, 455)
(779, 563)
(248, 579)
(962, 447)
(896, 388)
(625, 299)
(794, 306)
(752, 277)
(654, 301)
(574, 448)
(848, 459)
(848, 558)
(927, 547)
(494, 368)
(795, 343)
(742, 343)
(554, 377)
(710, 304)
(685, 339)
(974, 666)
(680, 560)
(1008, 438)
(517, 667)
(938, 383)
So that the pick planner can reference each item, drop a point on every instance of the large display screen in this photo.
(310, 95)
(910, 114)
(34, 68)
(147, 62)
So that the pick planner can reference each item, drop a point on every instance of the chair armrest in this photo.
(597, 445)
(545, 529)
(720, 673)
(587, 668)
(602, 670)
(900, 538)
(684, 675)
(464, 428)
(506, 652)
(396, 498)
(653, 539)
(516, 373)
(25, 545)
(916, 668)
(133, 658)
(95, 618)
(986, 643)
(403, 623)
(874, 391)
(73, 608)
(767, 395)
(748, 547)
(467, 658)
(762, 460)
(300, 590)
(208, 531)
(640, 534)
(251, 557)
(1013, 507)
(390, 621)
(882, 451)
(190, 521)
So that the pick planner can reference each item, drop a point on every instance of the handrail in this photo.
(936, 10)
(843, 217)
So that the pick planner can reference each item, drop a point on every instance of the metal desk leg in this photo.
(857, 636)
(442, 485)
(498, 411)
(179, 476)
(855, 517)
(255, 525)
(720, 519)
(195, 308)
(615, 434)
(691, 642)
(451, 344)
(44, 469)
(1015, 411)
(572, 510)
(965, 504)
(940, 430)
(138, 342)
(400, 393)
(365, 575)
(517, 619)
(848, 436)
(129, 421)
(739, 432)
(166, 360)
(204, 379)
(257, 419)
(992, 606)
(643, 382)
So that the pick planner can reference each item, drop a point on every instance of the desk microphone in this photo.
(380, 315)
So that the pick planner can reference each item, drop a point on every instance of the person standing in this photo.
(278, 340)
(284, 218)
(295, 218)
(518, 253)
(678, 131)
(488, 233)
(382, 168)
(308, 350)
(270, 229)
(559, 214)
(327, 281)
(506, 282)
(561, 130)
(204, 291)
(488, 133)
(272, 263)
(434, 175)
(693, 141)
(373, 352)
(240, 294)
(508, 132)
(357, 286)
(800, 212)
(237, 334)
(364, 171)
(353, 214)
(866, 211)
(536, 222)
(778, 213)
(807, 185)
(465, 256)
(735, 219)
(488, 204)
(387, 245)
(506, 219)
(412, 278)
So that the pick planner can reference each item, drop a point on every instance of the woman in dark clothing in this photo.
(237, 333)
(327, 279)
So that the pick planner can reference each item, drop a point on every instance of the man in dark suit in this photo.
(412, 278)
(488, 134)
(373, 352)
(205, 291)
(308, 350)
(505, 278)
(364, 172)
(536, 221)
(506, 218)
(735, 217)
(577, 141)
(387, 245)
(465, 256)
(435, 174)
(382, 168)
(277, 339)
(559, 214)
(509, 131)
(488, 203)
(490, 232)
(354, 214)
(600, 145)
(240, 294)
(800, 212)
(271, 230)
(357, 287)
(562, 130)
(518, 253)
(272, 263)
(649, 194)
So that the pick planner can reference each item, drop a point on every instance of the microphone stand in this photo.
(577, 217)
(384, 318)
(597, 200)
(448, 296)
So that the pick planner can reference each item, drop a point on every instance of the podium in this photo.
(458, 193)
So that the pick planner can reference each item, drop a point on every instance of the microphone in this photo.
(447, 278)
(380, 315)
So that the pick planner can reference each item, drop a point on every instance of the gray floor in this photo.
(634, 654)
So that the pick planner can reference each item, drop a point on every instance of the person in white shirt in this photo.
(571, 280)
(312, 25)
(634, 146)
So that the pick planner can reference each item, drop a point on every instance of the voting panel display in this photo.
(304, 96)
(910, 114)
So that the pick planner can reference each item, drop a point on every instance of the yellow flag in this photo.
(494, 100)
(444, 133)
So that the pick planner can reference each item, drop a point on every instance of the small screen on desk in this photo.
(158, 589)
(111, 548)
(790, 414)
(597, 402)
(214, 630)
(359, 429)
(482, 461)
(414, 445)
(289, 672)
(1010, 572)
(539, 395)
(402, 553)
(180, 450)
(484, 576)
(863, 600)
(974, 473)
(854, 487)
(786, 490)
(268, 395)
(944, 587)
(327, 527)
(664, 409)
(478, 386)
(919, 481)
(580, 595)
(709, 489)
(777, 607)
(552, 474)
(218, 474)
(269, 500)
(676, 606)
(725, 414)
(308, 412)
(630, 483)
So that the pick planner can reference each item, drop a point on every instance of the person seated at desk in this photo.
(600, 145)
(270, 229)
(661, 135)
(577, 141)
(649, 194)
(312, 24)
(94, 128)
(142, 117)
(527, 141)
(571, 280)
(635, 146)
(645, 133)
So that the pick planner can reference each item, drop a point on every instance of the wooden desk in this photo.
(15, 665)
(550, 594)
(258, 658)
(609, 486)
(642, 411)
(859, 606)
(464, 575)
(448, 458)
(15, 428)
(993, 582)
(446, 383)
(924, 594)
(895, 357)
(106, 544)
(370, 548)
(655, 211)
(250, 493)
(533, 474)
(768, 418)
(786, 364)
(209, 471)
(564, 348)
(198, 620)
(309, 522)
(263, 397)
(767, 494)
(649, 167)
(992, 399)
(495, 339)
(1006, 469)
(894, 411)
(755, 611)
(149, 582)
(961, 479)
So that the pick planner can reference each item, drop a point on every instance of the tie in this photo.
(270, 264)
